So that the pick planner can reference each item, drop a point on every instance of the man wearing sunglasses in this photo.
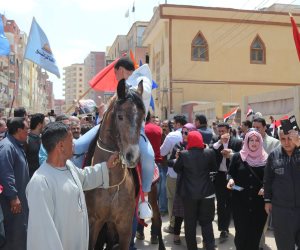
(166, 148)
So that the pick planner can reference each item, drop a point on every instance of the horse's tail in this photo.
(89, 155)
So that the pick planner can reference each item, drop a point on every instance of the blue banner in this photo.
(4, 43)
(38, 49)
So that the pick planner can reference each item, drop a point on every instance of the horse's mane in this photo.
(135, 97)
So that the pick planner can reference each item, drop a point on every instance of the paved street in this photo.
(168, 239)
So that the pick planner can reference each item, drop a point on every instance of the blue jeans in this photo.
(147, 161)
(161, 188)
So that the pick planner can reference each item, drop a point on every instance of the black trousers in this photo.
(203, 211)
(249, 225)
(286, 223)
(223, 201)
(177, 225)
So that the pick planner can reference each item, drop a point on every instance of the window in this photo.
(258, 51)
(199, 48)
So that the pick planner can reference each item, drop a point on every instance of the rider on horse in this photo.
(146, 150)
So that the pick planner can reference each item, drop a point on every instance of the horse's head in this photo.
(129, 113)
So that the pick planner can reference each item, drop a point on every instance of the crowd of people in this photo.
(249, 174)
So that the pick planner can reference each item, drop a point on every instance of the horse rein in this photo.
(120, 159)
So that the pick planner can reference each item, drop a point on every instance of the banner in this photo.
(4, 43)
(38, 49)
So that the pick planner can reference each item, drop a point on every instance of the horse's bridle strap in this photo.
(119, 184)
(104, 149)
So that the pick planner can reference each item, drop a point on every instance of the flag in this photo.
(296, 35)
(230, 115)
(249, 112)
(127, 13)
(154, 86)
(133, 59)
(4, 43)
(133, 7)
(38, 49)
(106, 79)
(277, 123)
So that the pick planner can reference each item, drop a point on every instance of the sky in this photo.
(76, 27)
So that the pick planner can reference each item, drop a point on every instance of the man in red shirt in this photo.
(154, 134)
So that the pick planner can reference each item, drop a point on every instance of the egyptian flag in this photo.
(277, 123)
(296, 35)
(230, 115)
(249, 112)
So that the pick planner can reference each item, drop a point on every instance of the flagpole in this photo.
(14, 91)
(83, 95)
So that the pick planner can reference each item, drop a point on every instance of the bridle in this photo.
(105, 149)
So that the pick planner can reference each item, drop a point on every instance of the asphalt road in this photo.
(168, 239)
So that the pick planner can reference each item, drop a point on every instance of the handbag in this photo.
(254, 174)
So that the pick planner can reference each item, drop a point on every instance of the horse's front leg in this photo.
(95, 227)
(123, 223)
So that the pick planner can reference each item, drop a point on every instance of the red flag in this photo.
(296, 35)
(133, 59)
(277, 123)
(106, 79)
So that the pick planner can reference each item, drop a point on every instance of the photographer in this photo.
(196, 189)
(178, 210)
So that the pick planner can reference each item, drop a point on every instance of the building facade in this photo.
(209, 55)
(22, 83)
(59, 106)
(93, 64)
(73, 85)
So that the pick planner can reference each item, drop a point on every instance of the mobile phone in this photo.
(286, 126)
(237, 188)
(293, 122)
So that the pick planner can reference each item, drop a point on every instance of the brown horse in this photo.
(119, 131)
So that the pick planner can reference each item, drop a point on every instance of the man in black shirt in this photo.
(34, 142)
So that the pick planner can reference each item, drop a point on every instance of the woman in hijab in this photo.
(197, 190)
(178, 211)
(245, 176)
